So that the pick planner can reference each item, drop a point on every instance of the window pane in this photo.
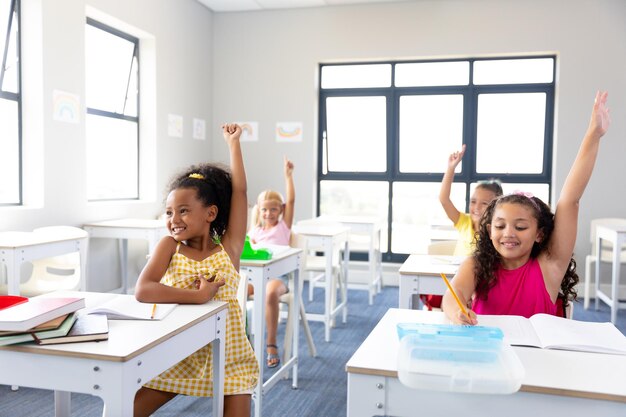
(9, 153)
(431, 127)
(356, 198)
(356, 124)
(432, 74)
(416, 209)
(514, 71)
(356, 76)
(108, 59)
(511, 121)
(11, 73)
(110, 140)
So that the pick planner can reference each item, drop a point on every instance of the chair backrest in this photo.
(444, 247)
(607, 221)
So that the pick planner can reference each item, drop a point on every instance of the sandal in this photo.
(273, 359)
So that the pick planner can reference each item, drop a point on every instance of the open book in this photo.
(552, 332)
(126, 307)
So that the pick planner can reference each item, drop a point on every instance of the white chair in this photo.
(607, 252)
(56, 272)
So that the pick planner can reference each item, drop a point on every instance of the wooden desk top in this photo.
(548, 371)
(127, 338)
(430, 265)
(129, 223)
(15, 240)
(276, 256)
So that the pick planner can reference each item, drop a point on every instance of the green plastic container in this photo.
(255, 254)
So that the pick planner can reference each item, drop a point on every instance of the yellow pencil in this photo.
(461, 306)
(154, 311)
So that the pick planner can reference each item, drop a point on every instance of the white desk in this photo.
(369, 227)
(573, 384)
(136, 352)
(19, 247)
(259, 273)
(617, 236)
(151, 230)
(419, 274)
(328, 237)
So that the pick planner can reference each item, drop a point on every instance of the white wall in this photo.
(176, 77)
(266, 62)
(262, 66)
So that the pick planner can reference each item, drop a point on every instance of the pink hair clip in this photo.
(529, 196)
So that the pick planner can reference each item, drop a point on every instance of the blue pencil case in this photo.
(446, 342)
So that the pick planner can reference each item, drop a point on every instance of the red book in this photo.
(36, 311)
(7, 301)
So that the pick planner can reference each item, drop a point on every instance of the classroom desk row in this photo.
(114, 369)
(556, 382)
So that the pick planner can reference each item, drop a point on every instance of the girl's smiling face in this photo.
(270, 211)
(479, 201)
(186, 216)
(513, 232)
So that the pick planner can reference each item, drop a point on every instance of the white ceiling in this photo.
(244, 5)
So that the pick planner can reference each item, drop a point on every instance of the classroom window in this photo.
(112, 124)
(384, 141)
(10, 105)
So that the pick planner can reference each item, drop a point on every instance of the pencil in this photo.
(461, 306)
(154, 311)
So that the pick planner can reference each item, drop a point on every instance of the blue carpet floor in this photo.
(322, 381)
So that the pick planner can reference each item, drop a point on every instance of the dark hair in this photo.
(487, 259)
(492, 184)
(213, 185)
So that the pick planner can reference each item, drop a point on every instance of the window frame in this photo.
(468, 174)
(15, 13)
(118, 116)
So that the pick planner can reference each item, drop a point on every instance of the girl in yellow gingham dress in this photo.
(193, 375)
(206, 216)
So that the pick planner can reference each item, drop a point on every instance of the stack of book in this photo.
(48, 320)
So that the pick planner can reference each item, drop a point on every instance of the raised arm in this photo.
(566, 214)
(237, 221)
(446, 186)
(290, 194)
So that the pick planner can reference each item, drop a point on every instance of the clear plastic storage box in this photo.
(452, 358)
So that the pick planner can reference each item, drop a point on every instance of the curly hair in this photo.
(487, 260)
(213, 184)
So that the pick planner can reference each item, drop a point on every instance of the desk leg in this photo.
(83, 250)
(62, 404)
(218, 346)
(597, 281)
(10, 259)
(615, 281)
(330, 288)
(259, 283)
(123, 253)
(295, 311)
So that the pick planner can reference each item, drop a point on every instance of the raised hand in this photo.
(231, 132)
(288, 167)
(455, 158)
(600, 115)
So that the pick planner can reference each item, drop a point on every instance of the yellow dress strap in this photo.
(177, 247)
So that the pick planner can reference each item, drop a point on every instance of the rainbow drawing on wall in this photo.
(289, 132)
(65, 107)
(249, 131)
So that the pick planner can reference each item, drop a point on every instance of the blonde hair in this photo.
(267, 195)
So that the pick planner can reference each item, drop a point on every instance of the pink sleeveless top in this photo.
(520, 292)
(277, 235)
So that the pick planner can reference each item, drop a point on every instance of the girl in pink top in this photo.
(523, 256)
(272, 218)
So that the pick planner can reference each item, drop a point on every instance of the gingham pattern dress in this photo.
(193, 375)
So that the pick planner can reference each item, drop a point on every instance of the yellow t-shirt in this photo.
(466, 243)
